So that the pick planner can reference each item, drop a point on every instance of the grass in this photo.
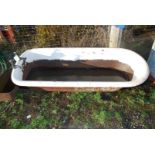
(127, 108)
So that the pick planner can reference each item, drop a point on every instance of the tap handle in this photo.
(16, 57)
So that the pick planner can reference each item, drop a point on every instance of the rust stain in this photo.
(111, 64)
(78, 89)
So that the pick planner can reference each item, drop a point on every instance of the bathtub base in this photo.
(77, 89)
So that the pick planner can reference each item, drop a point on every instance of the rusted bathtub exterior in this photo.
(77, 89)
(114, 57)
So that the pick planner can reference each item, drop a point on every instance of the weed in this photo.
(152, 96)
(15, 123)
(118, 116)
(39, 122)
(101, 117)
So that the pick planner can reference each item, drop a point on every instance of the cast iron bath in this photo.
(80, 69)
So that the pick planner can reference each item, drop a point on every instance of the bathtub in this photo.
(80, 69)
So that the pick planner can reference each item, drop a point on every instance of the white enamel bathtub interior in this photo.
(135, 61)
